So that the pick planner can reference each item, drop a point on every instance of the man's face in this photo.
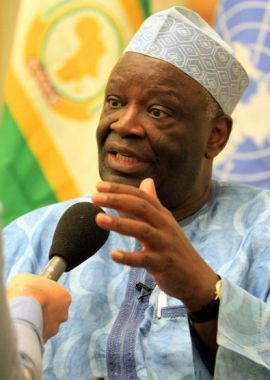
(154, 124)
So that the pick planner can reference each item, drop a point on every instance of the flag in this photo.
(245, 25)
(62, 54)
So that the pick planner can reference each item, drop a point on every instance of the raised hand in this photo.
(167, 253)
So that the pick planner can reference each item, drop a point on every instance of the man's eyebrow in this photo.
(159, 91)
(116, 82)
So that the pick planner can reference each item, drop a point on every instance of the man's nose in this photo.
(128, 122)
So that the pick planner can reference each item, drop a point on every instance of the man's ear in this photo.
(220, 133)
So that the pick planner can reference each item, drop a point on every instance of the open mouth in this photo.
(126, 163)
(124, 158)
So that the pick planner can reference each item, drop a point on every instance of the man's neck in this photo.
(193, 203)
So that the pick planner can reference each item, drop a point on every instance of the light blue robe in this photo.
(113, 329)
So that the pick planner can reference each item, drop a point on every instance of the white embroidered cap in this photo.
(181, 37)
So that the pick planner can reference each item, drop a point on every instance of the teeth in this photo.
(126, 159)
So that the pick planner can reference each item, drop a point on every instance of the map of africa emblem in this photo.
(68, 53)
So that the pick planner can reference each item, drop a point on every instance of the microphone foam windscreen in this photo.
(77, 236)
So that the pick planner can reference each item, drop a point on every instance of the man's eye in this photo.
(158, 113)
(114, 102)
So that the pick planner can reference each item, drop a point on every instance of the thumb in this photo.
(148, 186)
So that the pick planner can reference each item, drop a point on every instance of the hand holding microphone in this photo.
(53, 298)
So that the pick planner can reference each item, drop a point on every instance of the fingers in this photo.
(65, 302)
(49, 333)
(126, 258)
(130, 227)
(146, 190)
(131, 201)
(56, 311)
(138, 259)
(141, 216)
(148, 186)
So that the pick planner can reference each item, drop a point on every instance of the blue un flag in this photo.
(245, 25)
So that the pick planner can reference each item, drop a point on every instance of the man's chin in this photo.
(121, 178)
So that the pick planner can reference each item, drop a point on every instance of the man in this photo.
(191, 301)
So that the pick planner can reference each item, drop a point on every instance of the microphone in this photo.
(76, 238)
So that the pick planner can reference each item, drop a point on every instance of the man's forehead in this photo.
(133, 66)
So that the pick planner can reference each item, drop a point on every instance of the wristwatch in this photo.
(208, 312)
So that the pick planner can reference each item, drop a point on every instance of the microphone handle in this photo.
(55, 267)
